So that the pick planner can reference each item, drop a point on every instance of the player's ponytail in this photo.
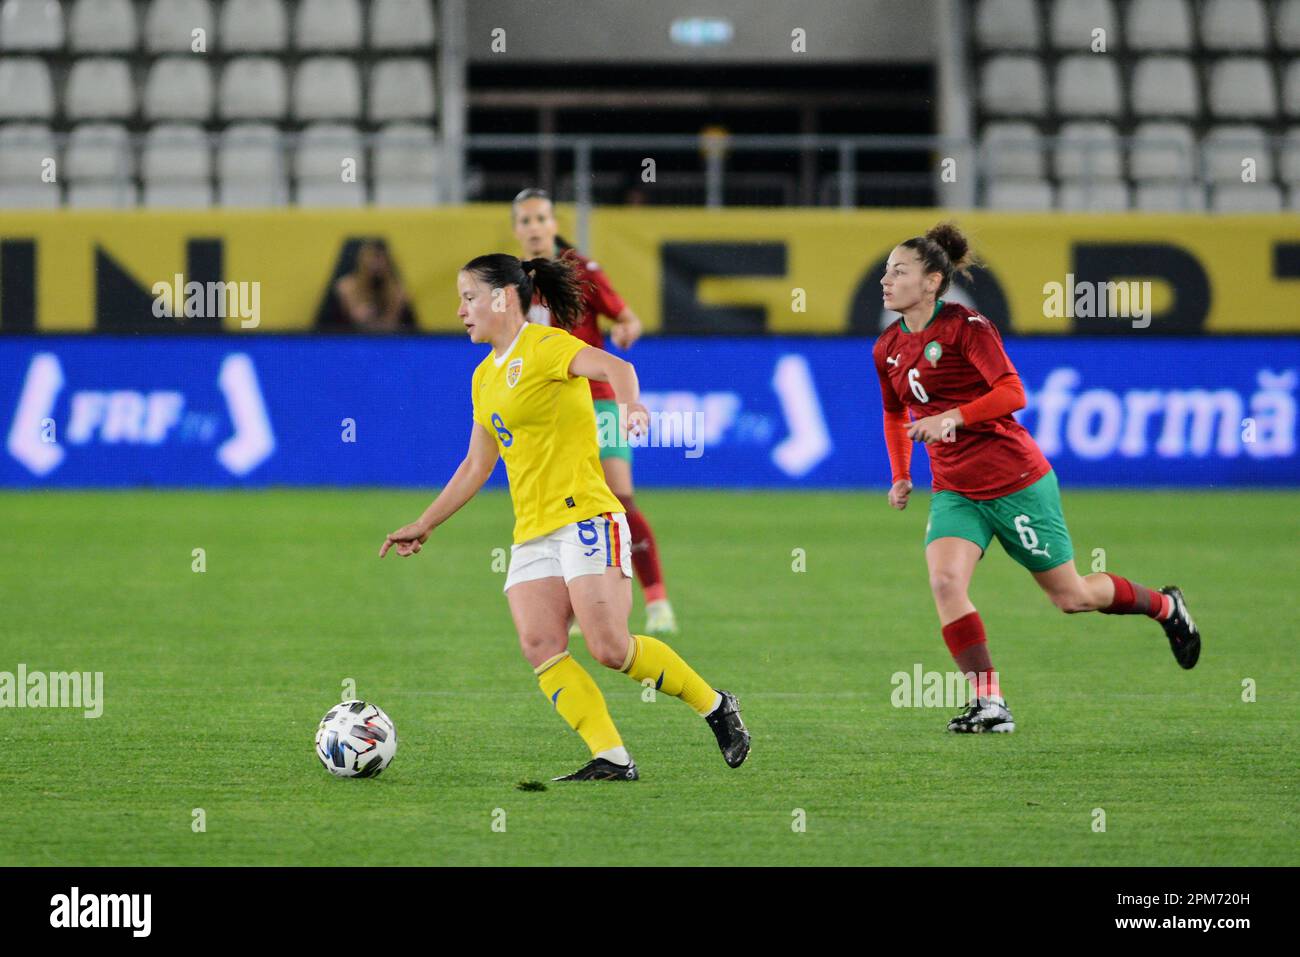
(946, 250)
(552, 279)
(555, 282)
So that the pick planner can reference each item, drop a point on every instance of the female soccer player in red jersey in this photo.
(537, 232)
(945, 364)
(532, 409)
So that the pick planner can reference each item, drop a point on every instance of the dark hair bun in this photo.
(953, 241)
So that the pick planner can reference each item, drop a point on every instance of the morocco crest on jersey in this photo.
(512, 371)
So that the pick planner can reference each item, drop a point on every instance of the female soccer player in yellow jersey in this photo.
(532, 407)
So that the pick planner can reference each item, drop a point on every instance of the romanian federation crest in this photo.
(512, 372)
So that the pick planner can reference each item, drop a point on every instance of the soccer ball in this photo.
(356, 740)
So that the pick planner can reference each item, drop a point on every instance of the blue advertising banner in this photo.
(82, 412)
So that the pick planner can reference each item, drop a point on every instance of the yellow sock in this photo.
(650, 658)
(579, 701)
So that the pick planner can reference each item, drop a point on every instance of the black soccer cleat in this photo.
(598, 769)
(1184, 636)
(730, 731)
(983, 714)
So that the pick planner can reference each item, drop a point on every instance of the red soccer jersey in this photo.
(598, 299)
(953, 360)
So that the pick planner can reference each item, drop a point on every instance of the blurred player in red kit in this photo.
(946, 380)
(538, 234)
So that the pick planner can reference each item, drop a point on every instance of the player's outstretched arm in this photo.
(465, 482)
(600, 366)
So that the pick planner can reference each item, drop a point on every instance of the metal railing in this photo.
(709, 170)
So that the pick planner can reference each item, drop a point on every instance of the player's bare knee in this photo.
(541, 643)
(1070, 602)
(945, 585)
(608, 646)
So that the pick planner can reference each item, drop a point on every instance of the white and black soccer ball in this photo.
(356, 740)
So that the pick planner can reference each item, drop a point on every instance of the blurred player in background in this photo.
(532, 407)
(537, 232)
(946, 363)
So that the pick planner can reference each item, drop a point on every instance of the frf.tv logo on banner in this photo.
(56, 416)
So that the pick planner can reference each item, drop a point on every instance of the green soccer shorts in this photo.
(609, 435)
(1029, 523)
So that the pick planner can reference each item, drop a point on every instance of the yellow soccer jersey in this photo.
(545, 427)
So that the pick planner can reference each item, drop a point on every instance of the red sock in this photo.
(969, 647)
(645, 554)
(1134, 599)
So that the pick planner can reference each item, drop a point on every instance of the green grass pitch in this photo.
(214, 683)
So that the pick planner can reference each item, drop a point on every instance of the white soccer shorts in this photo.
(579, 548)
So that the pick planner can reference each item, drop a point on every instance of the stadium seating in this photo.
(103, 26)
(30, 25)
(254, 26)
(1184, 90)
(234, 102)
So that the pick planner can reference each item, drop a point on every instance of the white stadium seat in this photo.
(1169, 197)
(103, 26)
(1074, 20)
(401, 89)
(327, 88)
(1159, 25)
(1022, 195)
(1287, 30)
(1088, 85)
(1102, 196)
(99, 88)
(328, 25)
(100, 166)
(1012, 149)
(29, 194)
(1165, 86)
(1290, 155)
(1242, 88)
(24, 149)
(319, 161)
(1225, 148)
(1014, 86)
(253, 26)
(1088, 151)
(1007, 25)
(1163, 151)
(31, 25)
(99, 151)
(169, 25)
(1291, 90)
(1228, 25)
(178, 88)
(103, 195)
(1246, 198)
(26, 91)
(406, 164)
(176, 165)
(253, 88)
(401, 24)
(251, 166)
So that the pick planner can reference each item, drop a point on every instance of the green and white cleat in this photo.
(659, 619)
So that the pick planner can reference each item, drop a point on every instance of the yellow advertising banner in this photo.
(688, 271)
